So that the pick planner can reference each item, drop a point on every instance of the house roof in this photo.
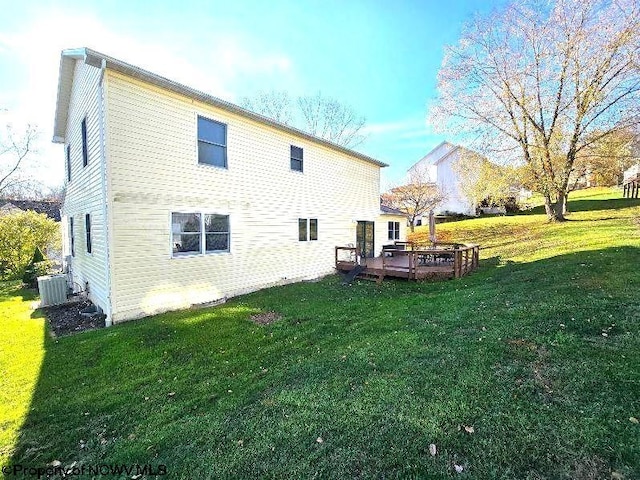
(51, 209)
(99, 60)
(390, 211)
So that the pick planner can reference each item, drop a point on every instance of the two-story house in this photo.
(176, 198)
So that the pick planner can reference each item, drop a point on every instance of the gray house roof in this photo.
(50, 209)
(99, 60)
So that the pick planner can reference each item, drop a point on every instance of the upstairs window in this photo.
(85, 150)
(212, 142)
(68, 155)
(307, 229)
(394, 230)
(296, 158)
(87, 226)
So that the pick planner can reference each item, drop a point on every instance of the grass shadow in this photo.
(581, 205)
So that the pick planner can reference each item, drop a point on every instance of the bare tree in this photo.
(14, 152)
(317, 115)
(415, 199)
(329, 119)
(543, 84)
(273, 104)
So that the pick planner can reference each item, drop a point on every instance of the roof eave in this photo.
(160, 81)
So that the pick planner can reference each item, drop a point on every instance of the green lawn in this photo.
(538, 351)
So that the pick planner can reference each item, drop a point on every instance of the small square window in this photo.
(296, 158)
(212, 142)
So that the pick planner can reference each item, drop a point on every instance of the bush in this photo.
(38, 267)
(20, 234)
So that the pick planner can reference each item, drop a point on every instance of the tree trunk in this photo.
(412, 226)
(555, 210)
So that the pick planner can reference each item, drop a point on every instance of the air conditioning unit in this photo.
(53, 289)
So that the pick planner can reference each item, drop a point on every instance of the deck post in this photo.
(456, 263)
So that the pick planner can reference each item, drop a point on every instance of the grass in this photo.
(538, 351)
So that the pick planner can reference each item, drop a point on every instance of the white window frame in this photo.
(208, 116)
(396, 231)
(203, 244)
(308, 229)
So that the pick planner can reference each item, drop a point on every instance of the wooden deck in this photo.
(414, 263)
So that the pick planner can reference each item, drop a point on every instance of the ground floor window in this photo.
(307, 229)
(196, 233)
(394, 230)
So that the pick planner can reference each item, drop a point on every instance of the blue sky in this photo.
(379, 57)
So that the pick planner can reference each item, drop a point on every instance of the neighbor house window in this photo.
(85, 150)
(72, 238)
(87, 226)
(68, 154)
(307, 229)
(394, 230)
(212, 142)
(196, 233)
(296, 158)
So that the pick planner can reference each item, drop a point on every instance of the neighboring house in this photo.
(176, 198)
(49, 208)
(631, 182)
(438, 166)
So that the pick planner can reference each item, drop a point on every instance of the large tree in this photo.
(542, 82)
(416, 198)
(318, 115)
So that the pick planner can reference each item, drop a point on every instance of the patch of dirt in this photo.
(538, 366)
(593, 468)
(266, 318)
(66, 319)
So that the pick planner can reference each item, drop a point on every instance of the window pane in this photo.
(87, 226)
(212, 132)
(296, 152)
(85, 153)
(212, 154)
(186, 243)
(313, 229)
(302, 229)
(296, 165)
(216, 223)
(185, 222)
(397, 230)
(217, 242)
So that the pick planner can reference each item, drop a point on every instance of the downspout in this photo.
(105, 211)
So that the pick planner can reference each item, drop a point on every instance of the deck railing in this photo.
(414, 261)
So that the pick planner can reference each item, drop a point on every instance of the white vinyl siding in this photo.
(152, 143)
(85, 192)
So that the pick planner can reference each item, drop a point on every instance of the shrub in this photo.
(20, 234)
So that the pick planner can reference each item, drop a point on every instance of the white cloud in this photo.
(215, 67)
